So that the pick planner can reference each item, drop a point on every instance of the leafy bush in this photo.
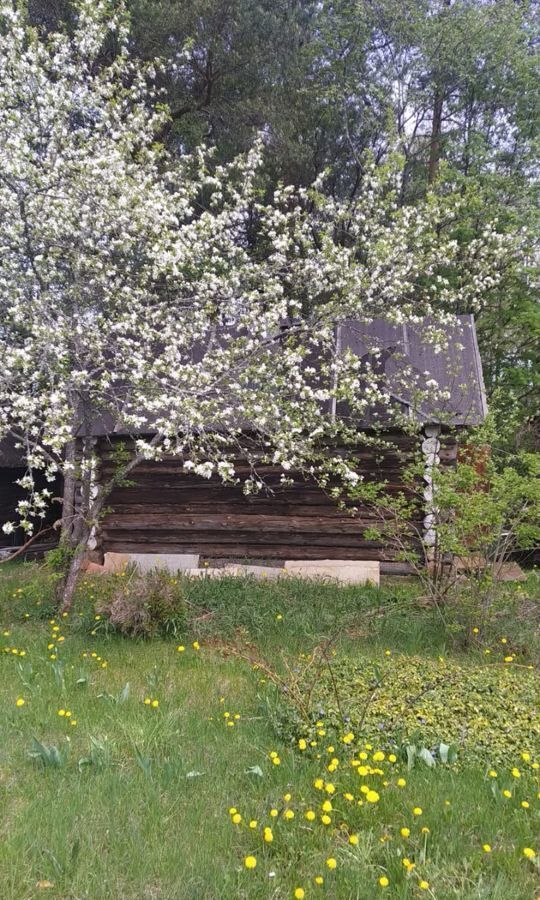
(151, 605)
(491, 711)
(481, 512)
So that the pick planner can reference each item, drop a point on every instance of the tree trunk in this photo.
(86, 519)
(87, 510)
(66, 588)
(436, 122)
(68, 498)
(435, 143)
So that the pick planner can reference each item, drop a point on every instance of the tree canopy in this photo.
(154, 293)
(454, 84)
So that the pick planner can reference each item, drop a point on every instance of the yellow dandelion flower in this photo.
(299, 893)
(250, 862)
(417, 811)
(529, 853)
(331, 862)
(326, 820)
(383, 881)
(236, 819)
(197, 646)
(268, 835)
(353, 839)
(310, 815)
(423, 885)
(302, 744)
(486, 848)
(401, 782)
(372, 797)
(405, 832)
(318, 879)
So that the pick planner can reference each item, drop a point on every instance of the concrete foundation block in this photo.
(253, 571)
(345, 571)
(147, 562)
(170, 562)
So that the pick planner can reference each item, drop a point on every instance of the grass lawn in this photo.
(119, 771)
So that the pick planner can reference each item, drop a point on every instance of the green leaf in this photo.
(124, 694)
(443, 752)
(427, 757)
(410, 750)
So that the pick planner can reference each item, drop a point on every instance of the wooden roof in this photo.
(403, 348)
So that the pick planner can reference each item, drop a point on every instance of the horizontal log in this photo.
(220, 509)
(235, 523)
(382, 456)
(390, 567)
(169, 492)
(244, 551)
(392, 434)
(251, 538)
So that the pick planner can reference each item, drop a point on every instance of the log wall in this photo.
(166, 510)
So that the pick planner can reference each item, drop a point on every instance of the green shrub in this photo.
(151, 605)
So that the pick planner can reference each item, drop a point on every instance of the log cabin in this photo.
(166, 510)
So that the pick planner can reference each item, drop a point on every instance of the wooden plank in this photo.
(168, 492)
(254, 539)
(234, 522)
(239, 550)
(220, 508)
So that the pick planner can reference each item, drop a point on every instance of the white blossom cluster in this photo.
(163, 299)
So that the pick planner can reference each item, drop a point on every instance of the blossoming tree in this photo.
(169, 299)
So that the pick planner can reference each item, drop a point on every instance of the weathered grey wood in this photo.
(240, 550)
(166, 510)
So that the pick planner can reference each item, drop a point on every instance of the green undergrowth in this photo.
(491, 711)
(160, 768)
(295, 614)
